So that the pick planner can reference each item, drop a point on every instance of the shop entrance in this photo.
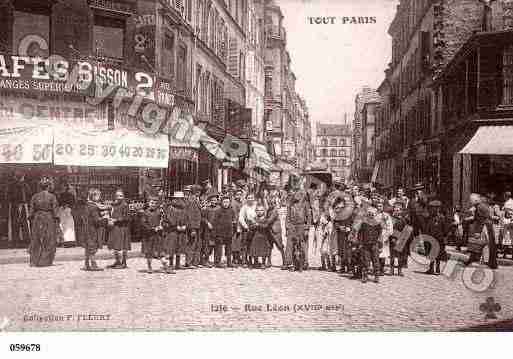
(493, 174)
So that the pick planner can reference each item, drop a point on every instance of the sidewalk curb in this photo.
(67, 257)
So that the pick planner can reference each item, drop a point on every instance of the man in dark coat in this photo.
(237, 203)
(175, 229)
(223, 223)
(342, 222)
(208, 238)
(207, 190)
(482, 220)
(193, 227)
(299, 220)
(437, 228)
(418, 215)
(18, 196)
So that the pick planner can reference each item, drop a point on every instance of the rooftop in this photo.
(325, 129)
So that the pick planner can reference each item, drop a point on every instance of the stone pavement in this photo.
(63, 297)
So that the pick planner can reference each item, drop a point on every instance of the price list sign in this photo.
(26, 145)
(122, 148)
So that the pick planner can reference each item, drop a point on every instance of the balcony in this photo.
(478, 83)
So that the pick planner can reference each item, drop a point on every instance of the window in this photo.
(342, 162)
(268, 86)
(333, 142)
(342, 142)
(241, 66)
(189, 10)
(212, 31)
(333, 162)
(168, 56)
(333, 153)
(507, 76)
(324, 152)
(324, 142)
(181, 69)
(342, 153)
(29, 23)
(108, 37)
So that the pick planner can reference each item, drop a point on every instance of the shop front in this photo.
(484, 164)
(76, 144)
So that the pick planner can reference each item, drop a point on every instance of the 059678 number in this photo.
(25, 347)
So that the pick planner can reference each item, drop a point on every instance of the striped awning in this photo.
(491, 140)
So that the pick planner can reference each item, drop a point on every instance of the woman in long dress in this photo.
(43, 244)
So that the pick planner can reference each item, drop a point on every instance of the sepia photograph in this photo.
(255, 166)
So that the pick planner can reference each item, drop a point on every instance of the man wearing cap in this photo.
(481, 220)
(193, 227)
(175, 227)
(401, 197)
(437, 229)
(223, 222)
(299, 220)
(207, 189)
(237, 203)
(208, 240)
(418, 214)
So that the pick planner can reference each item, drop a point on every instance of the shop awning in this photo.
(260, 157)
(491, 140)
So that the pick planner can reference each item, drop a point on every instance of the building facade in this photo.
(362, 160)
(426, 35)
(286, 116)
(333, 148)
(255, 47)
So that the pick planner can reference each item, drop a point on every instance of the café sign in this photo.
(57, 75)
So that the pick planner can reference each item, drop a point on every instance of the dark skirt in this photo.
(260, 245)
(171, 244)
(181, 242)
(119, 239)
(153, 246)
(43, 243)
(237, 242)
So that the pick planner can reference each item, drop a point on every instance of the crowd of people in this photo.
(355, 231)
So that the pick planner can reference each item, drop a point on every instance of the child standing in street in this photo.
(119, 234)
(325, 234)
(223, 223)
(152, 244)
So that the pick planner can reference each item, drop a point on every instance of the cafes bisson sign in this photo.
(57, 75)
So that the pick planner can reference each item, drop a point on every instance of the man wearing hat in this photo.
(223, 223)
(208, 240)
(419, 214)
(299, 220)
(437, 228)
(193, 227)
(237, 203)
(208, 189)
(175, 227)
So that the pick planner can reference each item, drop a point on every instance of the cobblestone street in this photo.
(64, 296)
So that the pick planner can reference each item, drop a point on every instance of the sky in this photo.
(332, 62)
